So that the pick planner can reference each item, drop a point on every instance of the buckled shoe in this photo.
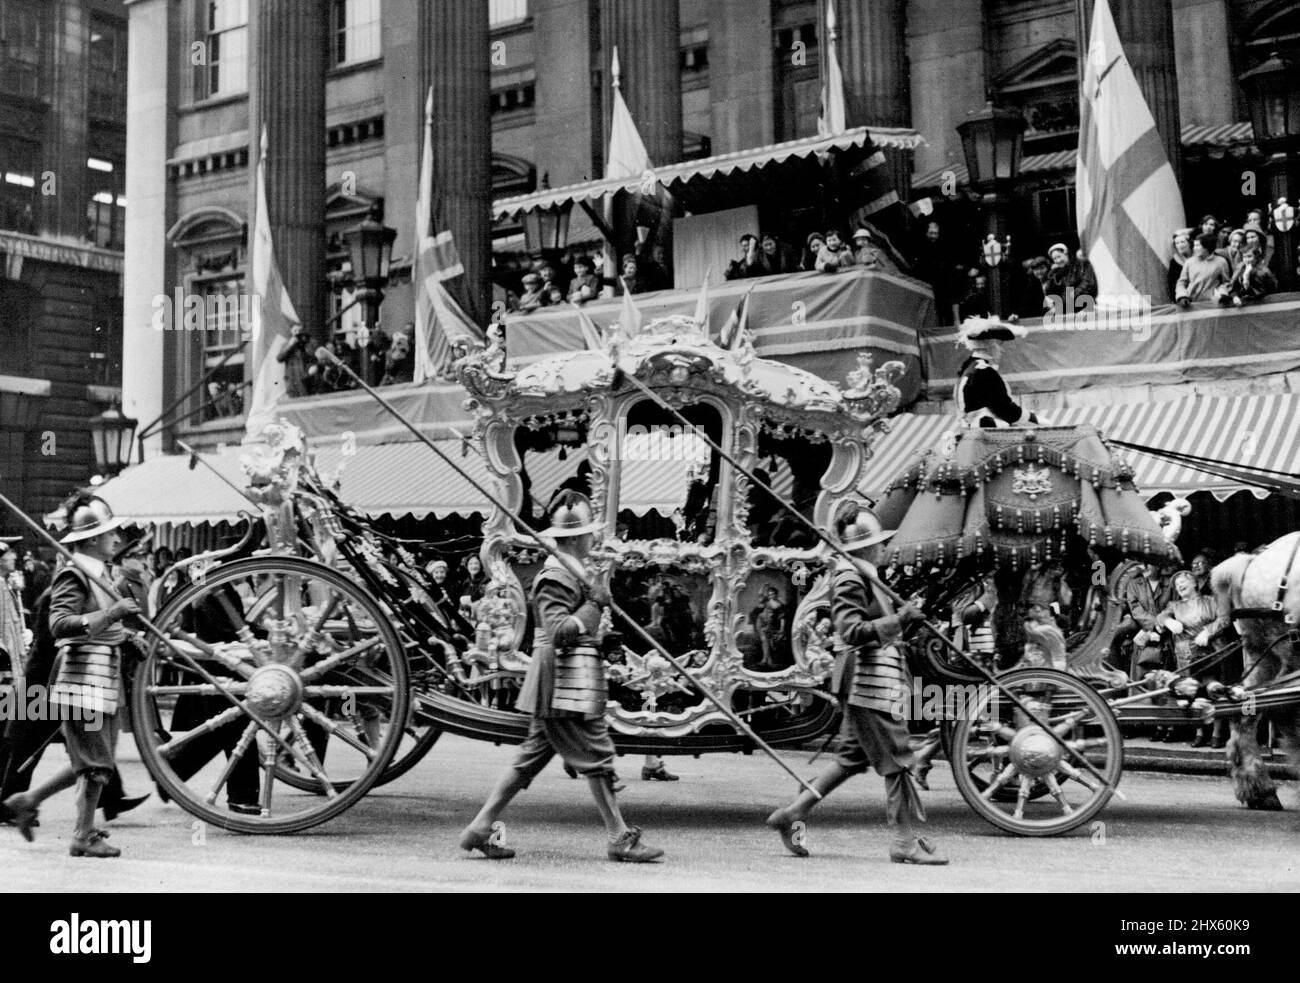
(919, 851)
(484, 843)
(93, 846)
(629, 849)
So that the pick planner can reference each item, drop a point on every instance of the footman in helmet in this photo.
(872, 682)
(565, 692)
(87, 690)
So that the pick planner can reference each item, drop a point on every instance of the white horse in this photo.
(1254, 582)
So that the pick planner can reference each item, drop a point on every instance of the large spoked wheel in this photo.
(418, 737)
(425, 667)
(301, 648)
(996, 747)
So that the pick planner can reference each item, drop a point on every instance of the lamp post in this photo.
(112, 435)
(992, 141)
(546, 230)
(370, 250)
(1273, 89)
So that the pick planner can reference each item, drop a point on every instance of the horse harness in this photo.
(1277, 609)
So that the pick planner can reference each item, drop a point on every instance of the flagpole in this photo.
(612, 269)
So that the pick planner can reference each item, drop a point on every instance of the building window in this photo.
(1054, 213)
(514, 98)
(106, 206)
(224, 320)
(694, 58)
(797, 89)
(225, 68)
(354, 28)
(21, 310)
(18, 178)
(502, 12)
(22, 48)
(107, 68)
(106, 353)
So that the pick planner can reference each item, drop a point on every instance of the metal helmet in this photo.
(572, 515)
(863, 530)
(90, 518)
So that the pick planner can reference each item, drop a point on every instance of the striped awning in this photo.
(741, 161)
(1224, 135)
(1250, 430)
(1193, 137)
(1061, 160)
(383, 479)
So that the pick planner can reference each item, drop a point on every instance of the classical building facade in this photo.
(62, 212)
(522, 94)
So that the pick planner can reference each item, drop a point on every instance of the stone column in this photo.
(147, 260)
(648, 36)
(562, 47)
(454, 60)
(1146, 29)
(290, 92)
(65, 128)
(872, 48)
(873, 59)
(740, 74)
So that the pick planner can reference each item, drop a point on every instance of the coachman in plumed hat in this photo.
(981, 394)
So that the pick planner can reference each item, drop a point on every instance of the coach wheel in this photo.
(425, 666)
(997, 746)
(1006, 793)
(418, 735)
(271, 659)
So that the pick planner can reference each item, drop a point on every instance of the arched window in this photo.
(214, 311)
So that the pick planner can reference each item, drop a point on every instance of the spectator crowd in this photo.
(1213, 263)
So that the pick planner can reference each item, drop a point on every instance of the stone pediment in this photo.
(1053, 63)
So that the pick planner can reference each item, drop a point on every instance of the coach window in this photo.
(669, 477)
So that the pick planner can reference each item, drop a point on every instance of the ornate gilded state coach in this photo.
(693, 549)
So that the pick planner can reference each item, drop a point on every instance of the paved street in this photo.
(1173, 834)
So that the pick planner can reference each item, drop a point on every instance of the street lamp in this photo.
(1273, 90)
(112, 434)
(370, 249)
(547, 229)
(993, 140)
